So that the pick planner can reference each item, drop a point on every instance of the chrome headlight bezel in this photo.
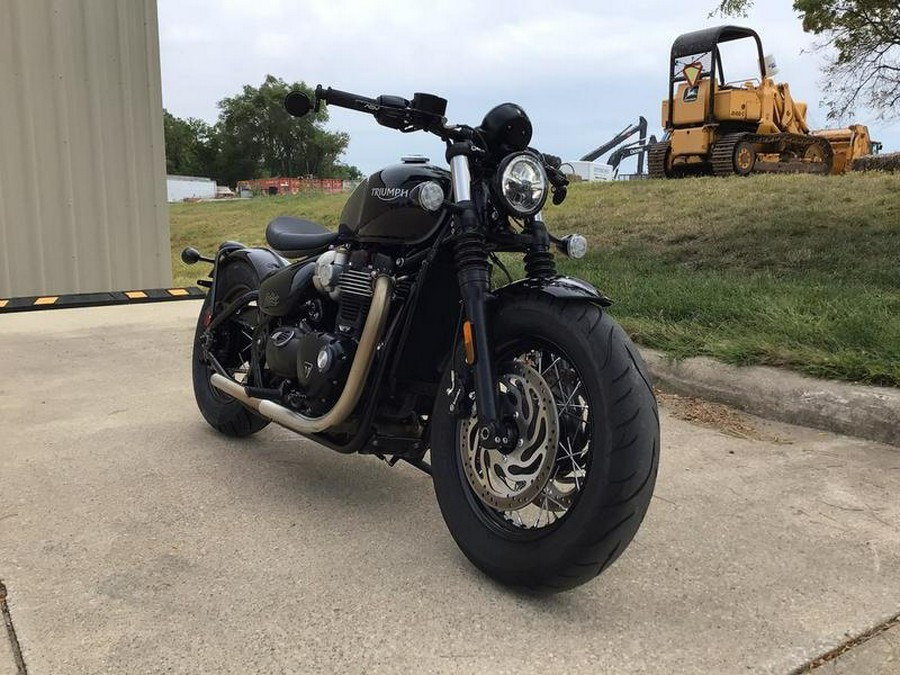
(509, 173)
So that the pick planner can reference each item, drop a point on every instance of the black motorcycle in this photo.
(388, 337)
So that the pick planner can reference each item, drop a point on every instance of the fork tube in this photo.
(462, 179)
(474, 284)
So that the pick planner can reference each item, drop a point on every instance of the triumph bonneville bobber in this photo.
(388, 338)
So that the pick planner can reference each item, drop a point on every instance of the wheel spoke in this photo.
(554, 501)
(574, 391)
(555, 368)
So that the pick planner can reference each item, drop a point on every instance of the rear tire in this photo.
(225, 414)
(621, 469)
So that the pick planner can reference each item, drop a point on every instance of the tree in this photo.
(865, 35)
(189, 146)
(257, 136)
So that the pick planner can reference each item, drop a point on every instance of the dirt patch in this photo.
(715, 416)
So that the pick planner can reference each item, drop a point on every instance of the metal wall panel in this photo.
(82, 152)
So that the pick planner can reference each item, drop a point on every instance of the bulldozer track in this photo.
(797, 145)
(889, 162)
(656, 165)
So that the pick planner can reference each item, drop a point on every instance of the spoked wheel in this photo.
(231, 345)
(565, 501)
(534, 486)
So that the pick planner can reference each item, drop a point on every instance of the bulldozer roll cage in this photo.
(707, 41)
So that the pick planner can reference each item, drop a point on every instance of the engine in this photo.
(314, 352)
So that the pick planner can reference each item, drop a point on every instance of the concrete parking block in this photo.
(134, 539)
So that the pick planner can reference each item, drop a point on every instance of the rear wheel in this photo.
(230, 344)
(565, 503)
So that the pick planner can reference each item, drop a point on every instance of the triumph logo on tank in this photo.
(388, 194)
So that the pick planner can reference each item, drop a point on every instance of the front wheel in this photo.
(566, 502)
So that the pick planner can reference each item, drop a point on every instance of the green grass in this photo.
(794, 271)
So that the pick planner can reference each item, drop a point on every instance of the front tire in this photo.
(231, 346)
(617, 454)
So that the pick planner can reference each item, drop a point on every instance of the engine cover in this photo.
(281, 350)
(323, 360)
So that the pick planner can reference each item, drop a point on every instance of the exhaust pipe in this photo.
(356, 380)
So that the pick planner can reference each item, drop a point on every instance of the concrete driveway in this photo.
(133, 539)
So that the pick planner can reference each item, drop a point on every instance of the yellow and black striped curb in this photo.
(34, 302)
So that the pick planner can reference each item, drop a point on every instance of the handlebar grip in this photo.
(344, 99)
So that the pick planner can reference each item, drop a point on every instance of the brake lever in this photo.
(318, 98)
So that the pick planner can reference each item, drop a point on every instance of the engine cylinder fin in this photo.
(357, 282)
(354, 300)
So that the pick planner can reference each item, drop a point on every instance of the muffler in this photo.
(356, 380)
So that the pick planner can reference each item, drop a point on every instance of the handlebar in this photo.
(424, 113)
(344, 99)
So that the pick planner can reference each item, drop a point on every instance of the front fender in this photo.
(565, 288)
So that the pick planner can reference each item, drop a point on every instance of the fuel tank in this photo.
(385, 208)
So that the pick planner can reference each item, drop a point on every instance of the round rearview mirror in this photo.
(297, 103)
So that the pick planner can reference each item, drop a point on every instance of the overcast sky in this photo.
(582, 69)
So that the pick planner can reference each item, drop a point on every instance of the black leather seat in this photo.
(295, 237)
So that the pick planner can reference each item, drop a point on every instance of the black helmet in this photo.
(508, 126)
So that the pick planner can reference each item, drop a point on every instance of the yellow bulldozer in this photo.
(721, 127)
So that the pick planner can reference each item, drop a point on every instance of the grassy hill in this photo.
(795, 271)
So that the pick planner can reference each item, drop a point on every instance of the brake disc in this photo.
(507, 482)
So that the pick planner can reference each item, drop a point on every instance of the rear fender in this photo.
(562, 288)
(263, 261)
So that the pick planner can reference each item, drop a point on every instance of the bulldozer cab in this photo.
(699, 92)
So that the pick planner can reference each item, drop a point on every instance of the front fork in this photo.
(473, 275)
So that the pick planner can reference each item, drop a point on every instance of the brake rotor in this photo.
(507, 482)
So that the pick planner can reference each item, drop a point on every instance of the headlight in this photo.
(522, 184)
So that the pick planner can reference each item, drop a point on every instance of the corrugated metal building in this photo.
(82, 153)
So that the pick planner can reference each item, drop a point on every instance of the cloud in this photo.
(583, 70)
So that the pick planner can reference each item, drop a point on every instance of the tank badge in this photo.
(271, 299)
(388, 194)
